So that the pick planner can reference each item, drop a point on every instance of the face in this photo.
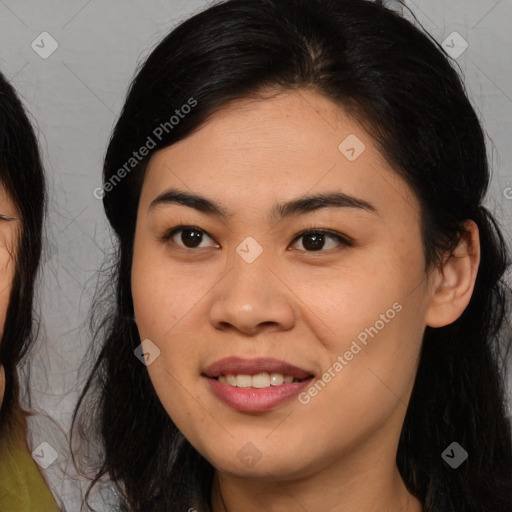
(285, 321)
(9, 225)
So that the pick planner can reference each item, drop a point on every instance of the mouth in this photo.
(255, 385)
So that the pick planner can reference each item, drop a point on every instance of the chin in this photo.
(249, 461)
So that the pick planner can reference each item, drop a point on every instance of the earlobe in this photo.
(453, 284)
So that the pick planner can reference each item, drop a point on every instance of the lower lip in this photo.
(255, 400)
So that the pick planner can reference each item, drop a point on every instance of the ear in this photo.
(452, 285)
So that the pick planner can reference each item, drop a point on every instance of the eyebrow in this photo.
(298, 206)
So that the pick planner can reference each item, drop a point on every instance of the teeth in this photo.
(243, 381)
(261, 380)
(276, 379)
(258, 381)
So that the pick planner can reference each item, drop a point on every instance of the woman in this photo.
(309, 288)
(22, 487)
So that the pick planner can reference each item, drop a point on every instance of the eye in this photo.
(314, 240)
(190, 237)
(317, 239)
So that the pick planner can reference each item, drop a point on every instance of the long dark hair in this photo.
(396, 81)
(21, 174)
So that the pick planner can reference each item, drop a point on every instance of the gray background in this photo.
(75, 95)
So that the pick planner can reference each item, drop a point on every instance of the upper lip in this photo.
(241, 366)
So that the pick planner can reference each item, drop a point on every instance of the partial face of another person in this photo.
(9, 225)
(285, 320)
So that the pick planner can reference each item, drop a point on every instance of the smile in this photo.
(255, 385)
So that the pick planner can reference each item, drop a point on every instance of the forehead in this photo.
(7, 206)
(258, 151)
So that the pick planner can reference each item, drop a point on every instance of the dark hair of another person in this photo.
(21, 174)
(396, 81)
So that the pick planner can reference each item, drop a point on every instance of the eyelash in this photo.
(342, 239)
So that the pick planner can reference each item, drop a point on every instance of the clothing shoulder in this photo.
(22, 487)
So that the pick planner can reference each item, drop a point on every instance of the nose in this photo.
(251, 299)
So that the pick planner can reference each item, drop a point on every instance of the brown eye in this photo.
(189, 237)
(313, 242)
(317, 240)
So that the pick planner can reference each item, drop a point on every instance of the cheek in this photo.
(158, 310)
(152, 292)
(163, 296)
(371, 323)
(6, 279)
(365, 385)
(166, 303)
(343, 304)
(2, 384)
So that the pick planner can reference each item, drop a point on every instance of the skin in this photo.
(198, 305)
(2, 384)
(9, 224)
